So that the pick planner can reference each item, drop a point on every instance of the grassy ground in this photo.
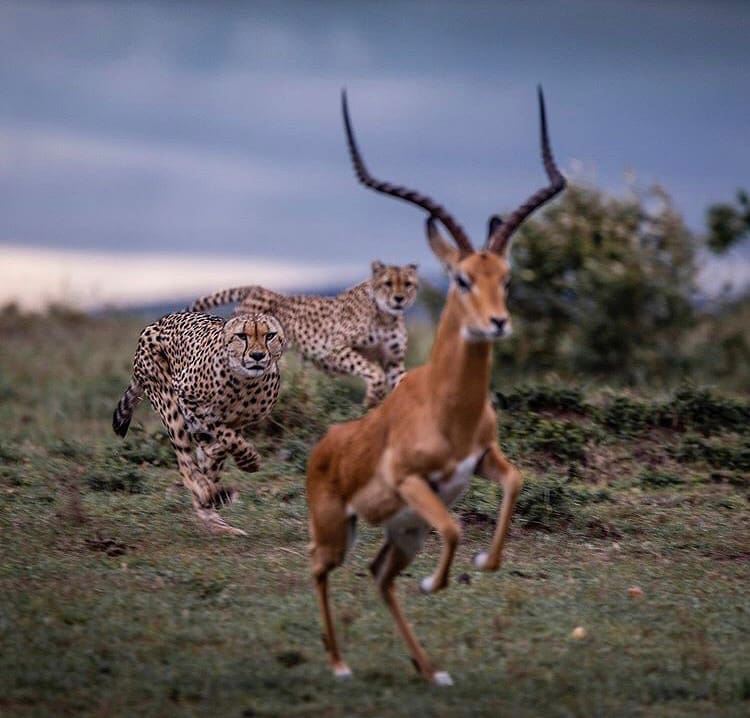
(115, 604)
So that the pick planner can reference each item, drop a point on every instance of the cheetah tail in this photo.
(125, 407)
(226, 296)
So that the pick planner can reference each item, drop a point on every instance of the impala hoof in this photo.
(480, 560)
(342, 671)
(427, 585)
(442, 678)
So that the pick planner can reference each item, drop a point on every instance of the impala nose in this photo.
(257, 356)
(499, 324)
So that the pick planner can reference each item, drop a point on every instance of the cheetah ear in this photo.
(377, 267)
(413, 267)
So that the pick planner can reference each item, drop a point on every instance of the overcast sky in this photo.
(212, 129)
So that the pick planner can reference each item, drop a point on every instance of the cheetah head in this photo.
(254, 343)
(394, 287)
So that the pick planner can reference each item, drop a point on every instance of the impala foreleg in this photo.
(420, 497)
(496, 467)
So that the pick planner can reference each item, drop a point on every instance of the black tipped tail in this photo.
(120, 423)
(123, 412)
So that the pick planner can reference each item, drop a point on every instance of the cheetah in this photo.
(360, 332)
(208, 378)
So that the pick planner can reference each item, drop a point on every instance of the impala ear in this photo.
(448, 255)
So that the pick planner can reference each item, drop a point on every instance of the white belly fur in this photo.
(450, 491)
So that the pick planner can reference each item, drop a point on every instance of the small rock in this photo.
(635, 592)
(578, 633)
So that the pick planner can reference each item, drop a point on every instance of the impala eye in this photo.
(463, 284)
(270, 335)
(507, 284)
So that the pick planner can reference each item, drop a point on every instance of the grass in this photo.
(116, 604)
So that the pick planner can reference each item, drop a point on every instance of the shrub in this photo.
(542, 397)
(693, 449)
(626, 417)
(700, 410)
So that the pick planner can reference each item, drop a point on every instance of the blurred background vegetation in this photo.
(604, 289)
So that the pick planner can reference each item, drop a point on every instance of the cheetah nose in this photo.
(257, 356)
(398, 298)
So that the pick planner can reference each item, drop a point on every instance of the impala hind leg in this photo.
(331, 531)
(495, 467)
(395, 555)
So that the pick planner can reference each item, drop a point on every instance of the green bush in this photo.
(558, 439)
(626, 417)
(700, 410)
(695, 449)
(542, 397)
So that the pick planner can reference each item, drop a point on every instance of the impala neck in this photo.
(459, 369)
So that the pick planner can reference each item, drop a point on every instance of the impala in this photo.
(404, 463)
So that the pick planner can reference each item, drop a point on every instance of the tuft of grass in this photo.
(147, 447)
(654, 479)
(110, 475)
(9, 453)
(545, 504)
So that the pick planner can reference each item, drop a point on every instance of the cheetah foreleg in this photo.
(242, 451)
(350, 361)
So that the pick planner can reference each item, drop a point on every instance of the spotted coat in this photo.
(208, 379)
(360, 332)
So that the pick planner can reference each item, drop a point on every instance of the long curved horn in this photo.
(403, 193)
(498, 239)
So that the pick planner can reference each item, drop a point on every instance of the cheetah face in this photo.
(394, 287)
(254, 343)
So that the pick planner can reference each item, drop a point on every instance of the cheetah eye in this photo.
(270, 335)
(388, 283)
(408, 284)
(241, 335)
(463, 284)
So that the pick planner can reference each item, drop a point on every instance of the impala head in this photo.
(479, 280)
(254, 343)
(394, 286)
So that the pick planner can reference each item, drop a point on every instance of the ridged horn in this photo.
(498, 240)
(404, 193)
